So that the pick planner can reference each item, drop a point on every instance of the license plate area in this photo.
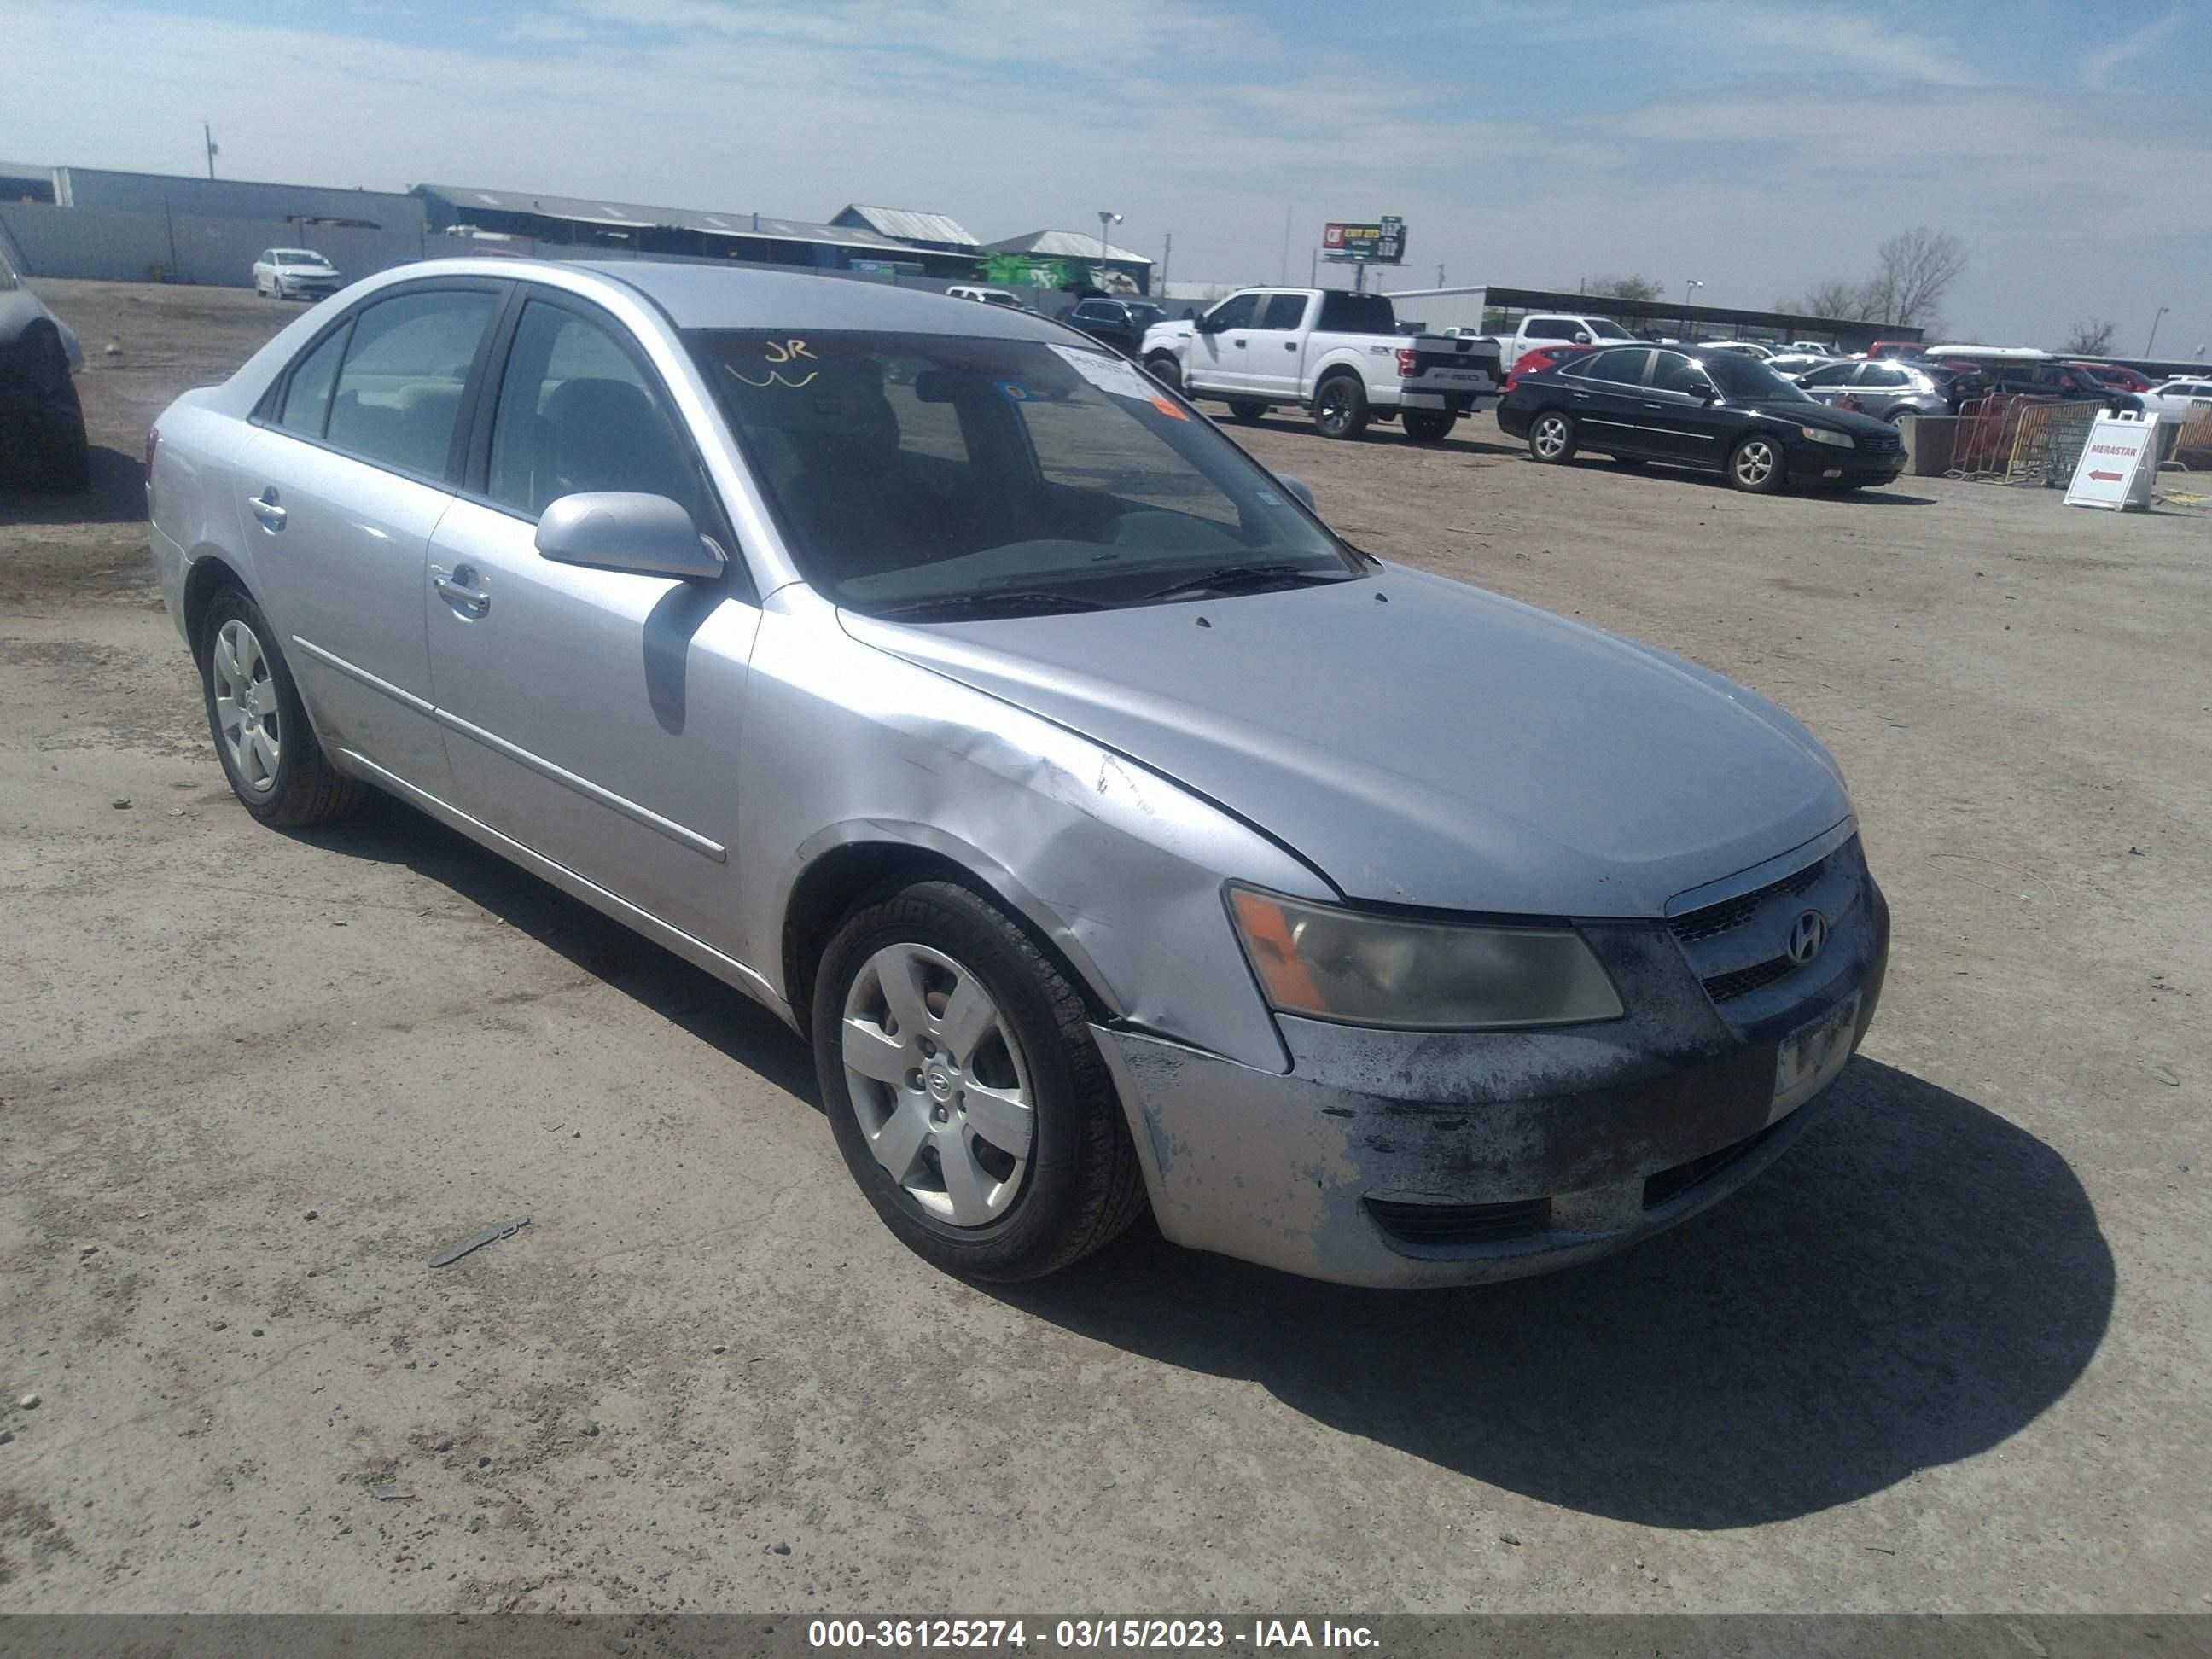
(1810, 1057)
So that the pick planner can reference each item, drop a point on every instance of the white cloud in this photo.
(2097, 67)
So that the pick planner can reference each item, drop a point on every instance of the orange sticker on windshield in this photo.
(1169, 409)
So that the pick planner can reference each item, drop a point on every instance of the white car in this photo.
(1750, 349)
(2179, 400)
(989, 296)
(295, 273)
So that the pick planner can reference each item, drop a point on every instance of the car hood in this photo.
(1422, 742)
(1831, 419)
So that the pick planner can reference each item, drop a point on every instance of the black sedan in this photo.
(1641, 403)
(1119, 323)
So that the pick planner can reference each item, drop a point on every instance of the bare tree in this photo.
(1836, 300)
(1916, 270)
(2091, 339)
(1621, 287)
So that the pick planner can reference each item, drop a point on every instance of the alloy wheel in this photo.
(938, 1084)
(1550, 437)
(246, 707)
(1756, 462)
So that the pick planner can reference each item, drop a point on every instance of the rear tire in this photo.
(1246, 409)
(1340, 407)
(1428, 426)
(929, 1089)
(1552, 437)
(269, 752)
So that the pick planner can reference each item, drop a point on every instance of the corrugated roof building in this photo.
(1064, 258)
(910, 226)
(600, 221)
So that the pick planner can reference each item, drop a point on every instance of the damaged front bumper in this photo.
(1410, 1158)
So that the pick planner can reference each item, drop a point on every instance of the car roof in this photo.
(712, 296)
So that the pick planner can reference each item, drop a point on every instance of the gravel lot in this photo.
(1952, 1353)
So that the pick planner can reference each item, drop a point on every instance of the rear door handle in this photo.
(456, 588)
(1239, 345)
(265, 510)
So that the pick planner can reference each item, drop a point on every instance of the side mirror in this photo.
(1207, 324)
(1299, 488)
(1582, 336)
(620, 530)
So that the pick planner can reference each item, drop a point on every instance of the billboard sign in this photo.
(1376, 241)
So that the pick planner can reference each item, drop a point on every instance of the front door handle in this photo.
(1239, 345)
(265, 510)
(1289, 345)
(1581, 397)
(456, 587)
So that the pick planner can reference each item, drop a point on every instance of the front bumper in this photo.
(1404, 1159)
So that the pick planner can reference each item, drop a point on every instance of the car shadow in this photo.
(388, 831)
(1701, 478)
(1388, 436)
(117, 495)
(1915, 1283)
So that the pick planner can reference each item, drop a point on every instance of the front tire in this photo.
(1164, 369)
(1428, 426)
(960, 1078)
(1340, 407)
(49, 448)
(1246, 409)
(269, 752)
(1552, 437)
(1755, 464)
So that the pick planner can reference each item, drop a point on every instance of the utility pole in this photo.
(1167, 253)
(1440, 276)
(1285, 279)
(207, 133)
(2154, 322)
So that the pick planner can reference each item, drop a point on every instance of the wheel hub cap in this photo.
(937, 1085)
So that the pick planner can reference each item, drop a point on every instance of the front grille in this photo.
(1731, 914)
(1460, 1223)
(1672, 1183)
(1723, 987)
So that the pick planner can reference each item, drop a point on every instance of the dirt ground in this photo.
(1952, 1353)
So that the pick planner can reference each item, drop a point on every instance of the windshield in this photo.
(922, 467)
(1746, 378)
(292, 256)
(1606, 331)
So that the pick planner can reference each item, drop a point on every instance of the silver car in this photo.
(1887, 391)
(1117, 835)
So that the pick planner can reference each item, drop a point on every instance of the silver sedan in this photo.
(1117, 835)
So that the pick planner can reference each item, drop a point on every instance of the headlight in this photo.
(1821, 435)
(1332, 964)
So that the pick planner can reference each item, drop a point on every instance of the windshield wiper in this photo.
(1015, 600)
(1228, 578)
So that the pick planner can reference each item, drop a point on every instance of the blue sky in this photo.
(1757, 148)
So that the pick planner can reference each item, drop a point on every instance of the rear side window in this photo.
(1283, 310)
(308, 395)
(399, 389)
(576, 413)
(1834, 374)
(1358, 313)
(1620, 364)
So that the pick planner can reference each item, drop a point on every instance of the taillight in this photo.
(1405, 363)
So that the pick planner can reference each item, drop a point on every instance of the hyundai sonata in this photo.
(1118, 834)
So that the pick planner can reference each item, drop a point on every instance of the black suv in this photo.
(1119, 323)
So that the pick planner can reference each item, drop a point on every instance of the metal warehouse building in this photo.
(1055, 258)
(634, 228)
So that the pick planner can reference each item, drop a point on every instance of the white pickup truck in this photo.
(1550, 328)
(1336, 353)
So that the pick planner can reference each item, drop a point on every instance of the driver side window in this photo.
(576, 413)
(1677, 373)
(1236, 311)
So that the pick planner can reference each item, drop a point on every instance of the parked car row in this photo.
(1326, 913)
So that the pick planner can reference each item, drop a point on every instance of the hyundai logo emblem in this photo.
(1807, 935)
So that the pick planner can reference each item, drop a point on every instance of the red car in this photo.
(1542, 357)
(2112, 374)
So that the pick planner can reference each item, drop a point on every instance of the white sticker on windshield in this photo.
(1117, 375)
